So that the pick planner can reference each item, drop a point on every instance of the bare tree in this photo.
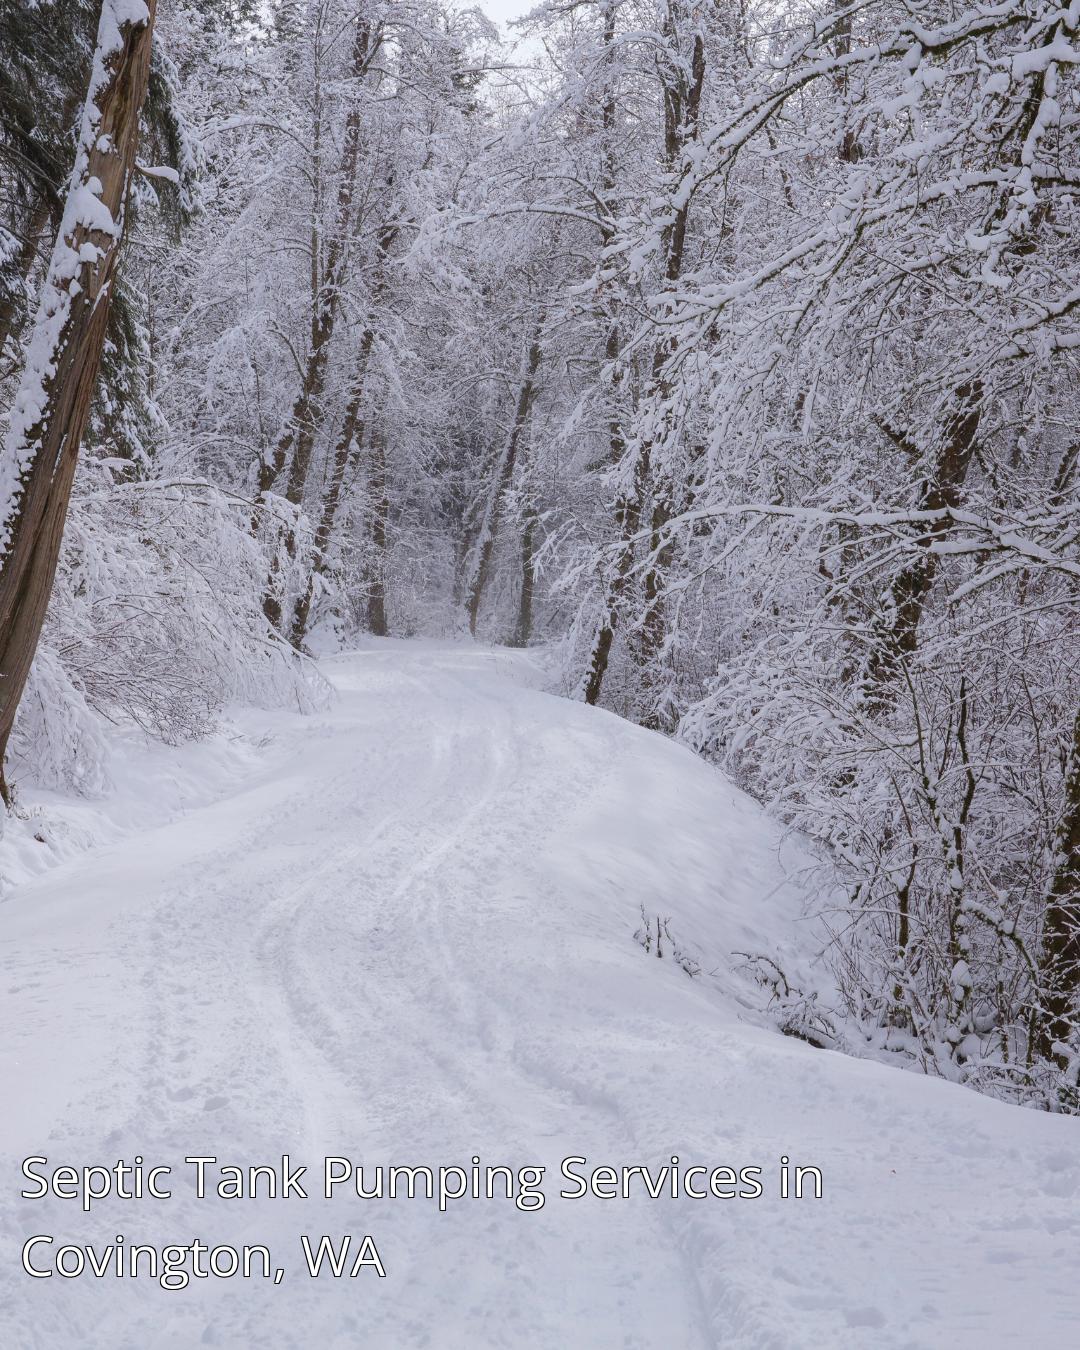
(503, 477)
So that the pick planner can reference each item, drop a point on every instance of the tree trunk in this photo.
(348, 443)
(613, 340)
(628, 518)
(352, 435)
(682, 108)
(504, 474)
(682, 92)
(380, 515)
(896, 635)
(52, 406)
(523, 628)
(1059, 961)
(300, 431)
(848, 149)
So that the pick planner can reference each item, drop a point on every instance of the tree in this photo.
(502, 478)
(51, 410)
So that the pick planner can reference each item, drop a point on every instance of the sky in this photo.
(501, 10)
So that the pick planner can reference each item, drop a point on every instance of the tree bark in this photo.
(681, 90)
(628, 518)
(300, 430)
(380, 517)
(523, 628)
(682, 108)
(1059, 961)
(348, 444)
(51, 409)
(896, 635)
(504, 474)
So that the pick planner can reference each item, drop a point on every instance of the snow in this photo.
(400, 932)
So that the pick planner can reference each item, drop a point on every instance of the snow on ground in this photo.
(401, 931)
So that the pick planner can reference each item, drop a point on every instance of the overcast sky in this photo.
(507, 9)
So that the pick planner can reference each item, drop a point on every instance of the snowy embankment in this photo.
(402, 933)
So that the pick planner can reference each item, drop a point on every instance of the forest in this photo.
(725, 351)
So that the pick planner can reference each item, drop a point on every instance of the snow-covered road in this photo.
(403, 934)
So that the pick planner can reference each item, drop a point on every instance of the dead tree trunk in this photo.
(504, 473)
(52, 406)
